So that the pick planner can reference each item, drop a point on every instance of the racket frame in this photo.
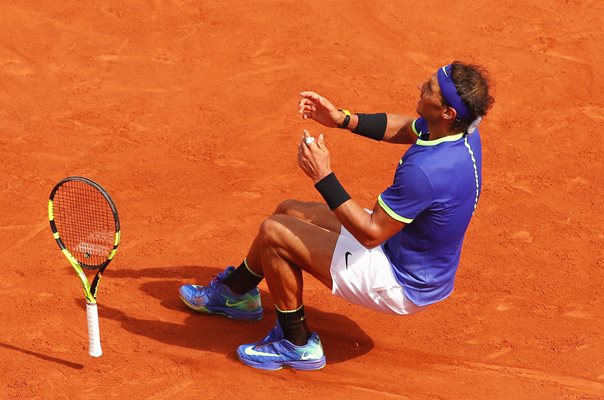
(90, 289)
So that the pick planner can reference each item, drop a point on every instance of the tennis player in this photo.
(398, 258)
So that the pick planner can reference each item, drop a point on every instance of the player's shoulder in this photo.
(413, 168)
(474, 136)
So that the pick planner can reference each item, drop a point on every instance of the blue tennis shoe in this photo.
(217, 298)
(273, 355)
(274, 335)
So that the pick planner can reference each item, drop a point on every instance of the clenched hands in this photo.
(313, 157)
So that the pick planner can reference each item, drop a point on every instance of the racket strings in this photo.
(85, 222)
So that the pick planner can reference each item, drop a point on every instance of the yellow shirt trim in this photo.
(413, 126)
(451, 138)
(392, 213)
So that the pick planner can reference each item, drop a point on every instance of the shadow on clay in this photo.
(43, 356)
(342, 338)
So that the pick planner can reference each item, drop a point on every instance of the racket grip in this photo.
(94, 337)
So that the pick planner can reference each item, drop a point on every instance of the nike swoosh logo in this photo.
(310, 356)
(346, 258)
(228, 303)
(251, 352)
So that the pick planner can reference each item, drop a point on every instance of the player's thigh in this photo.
(316, 213)
(301, 243)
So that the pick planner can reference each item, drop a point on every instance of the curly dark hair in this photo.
(473, 84)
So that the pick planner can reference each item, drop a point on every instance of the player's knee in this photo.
(272, 230)
(287, 207)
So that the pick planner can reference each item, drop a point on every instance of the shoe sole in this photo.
(238, 315)
(310, 365)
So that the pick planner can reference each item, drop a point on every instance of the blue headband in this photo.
(449, 92)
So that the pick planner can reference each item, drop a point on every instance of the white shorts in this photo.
(364, 276)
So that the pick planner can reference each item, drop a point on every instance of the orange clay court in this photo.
(186, 112)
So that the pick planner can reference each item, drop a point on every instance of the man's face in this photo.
(430, 102)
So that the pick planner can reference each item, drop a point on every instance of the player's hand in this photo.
(313, 157)
(317, 107)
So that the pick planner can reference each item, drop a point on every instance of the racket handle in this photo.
(94, 337)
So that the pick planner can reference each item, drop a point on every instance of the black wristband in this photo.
(332, 191)
(372, 126)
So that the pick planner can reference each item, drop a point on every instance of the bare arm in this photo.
(399, 129)
(318, 108)
(369, 229)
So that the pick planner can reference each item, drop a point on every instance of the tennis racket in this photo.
(85, 224)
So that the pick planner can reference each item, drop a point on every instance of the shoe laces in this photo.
(274, 335)
(217, 279)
